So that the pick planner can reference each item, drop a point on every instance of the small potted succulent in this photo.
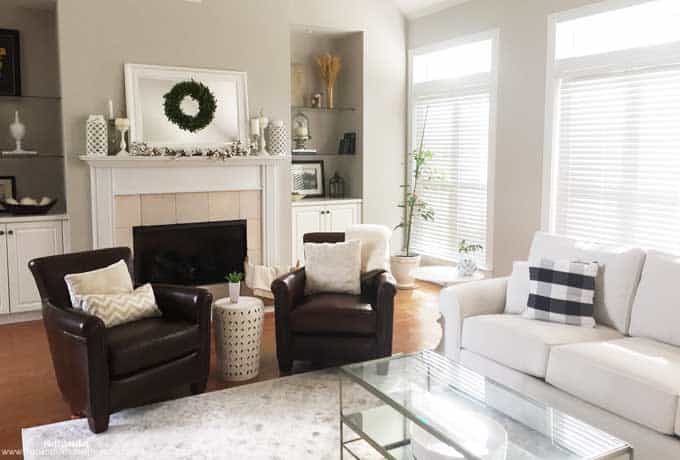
(467, 266)
(235, 279)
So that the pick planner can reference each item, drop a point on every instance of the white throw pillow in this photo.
(114, 279)
(333, 267)
(617, 279)
(656, 311)
(517, 292)
(375, 245)
(116, 309)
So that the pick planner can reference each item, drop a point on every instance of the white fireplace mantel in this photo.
(114, 176)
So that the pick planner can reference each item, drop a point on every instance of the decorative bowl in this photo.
(19, 209)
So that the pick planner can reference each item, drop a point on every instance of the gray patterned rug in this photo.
(289, 418)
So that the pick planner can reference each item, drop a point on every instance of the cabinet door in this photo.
(26, 241)
(341, 217)
(4, 278)
(306, 219)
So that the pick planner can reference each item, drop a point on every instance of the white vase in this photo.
(97, 142)
(404, 270)
(467, 266)
(234, 292)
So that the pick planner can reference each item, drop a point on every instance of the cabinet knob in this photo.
(2, 232)
(10, 232)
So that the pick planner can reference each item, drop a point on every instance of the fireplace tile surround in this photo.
(194, 207)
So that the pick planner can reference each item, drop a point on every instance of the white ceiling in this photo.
(417, 8)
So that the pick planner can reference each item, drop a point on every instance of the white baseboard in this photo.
(12, 318)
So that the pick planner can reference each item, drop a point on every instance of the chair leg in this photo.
(98, 423)
(198, 387)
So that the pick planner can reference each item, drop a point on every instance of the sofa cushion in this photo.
(617, 278)
(524, 344)
(517, 292)
(147, 343)
(656, 310)
(334, 314)
(636, 378)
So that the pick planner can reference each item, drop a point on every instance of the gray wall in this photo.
(42, 175)
(521, 107)
(97, 37)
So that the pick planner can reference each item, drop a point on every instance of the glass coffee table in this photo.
(425, 407)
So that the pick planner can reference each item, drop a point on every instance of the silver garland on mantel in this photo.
(235, 149)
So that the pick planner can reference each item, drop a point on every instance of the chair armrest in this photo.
(188, 303)
(370, 282)
(78, 347)
(289, 290)
(386, 290)
(462, 301)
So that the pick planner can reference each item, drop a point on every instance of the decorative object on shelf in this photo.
(329, 67)
(234, 149)
(10, 63)
(264, 124)
(307, 178)
(336, 186)
(112, 133)
(8, 190)
(295, 196)
(28, 206)
(278, 138)
(301, 133)
(96, 136)
(190, 105)
(405, 265)
(467, 266)
(348, 144)
(122, 126)
(235, 279)
(316, 101)
(18, 130)
(298, 81)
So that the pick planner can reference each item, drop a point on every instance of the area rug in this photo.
(288, 418)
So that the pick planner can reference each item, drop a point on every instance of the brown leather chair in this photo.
(99, 370)
(333, 328)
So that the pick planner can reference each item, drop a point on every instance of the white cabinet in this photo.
(23, 239)
(321, 216)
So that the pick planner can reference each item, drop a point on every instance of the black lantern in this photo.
(336, 186)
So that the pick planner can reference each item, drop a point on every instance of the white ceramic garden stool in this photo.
(238, 337)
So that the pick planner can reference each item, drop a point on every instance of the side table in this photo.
(238, 337)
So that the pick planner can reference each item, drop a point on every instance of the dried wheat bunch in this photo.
(329, 67)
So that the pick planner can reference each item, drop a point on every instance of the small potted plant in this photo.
(466, 263)
(235, 279)
(405, 264)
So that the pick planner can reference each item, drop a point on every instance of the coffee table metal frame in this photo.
(387, 450)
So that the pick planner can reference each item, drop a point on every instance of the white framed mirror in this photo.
(146, 86)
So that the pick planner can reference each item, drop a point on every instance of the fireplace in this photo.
(189, 254)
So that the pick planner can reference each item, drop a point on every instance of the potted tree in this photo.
(405, 264)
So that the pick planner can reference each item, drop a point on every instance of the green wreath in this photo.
(201, 94)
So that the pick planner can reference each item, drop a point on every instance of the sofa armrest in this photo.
(486, 297)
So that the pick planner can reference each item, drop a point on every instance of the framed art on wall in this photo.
(307, 178)
(10, 65)
(8, 189)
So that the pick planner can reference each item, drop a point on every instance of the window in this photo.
(614, 127)
(454, 87)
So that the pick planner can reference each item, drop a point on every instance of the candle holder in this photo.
(122, 125)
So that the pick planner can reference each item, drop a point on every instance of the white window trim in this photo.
(584, 66)
(494, 35)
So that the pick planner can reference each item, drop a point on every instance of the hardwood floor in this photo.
(28, 390)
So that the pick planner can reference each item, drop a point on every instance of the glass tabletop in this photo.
(426, 406)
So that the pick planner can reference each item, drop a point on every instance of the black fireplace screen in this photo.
(189, 254)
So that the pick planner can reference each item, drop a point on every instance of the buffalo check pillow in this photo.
(562, 291)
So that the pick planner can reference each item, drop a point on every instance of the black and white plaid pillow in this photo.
(562, 291)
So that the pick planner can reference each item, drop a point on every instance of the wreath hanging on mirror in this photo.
(201, 94)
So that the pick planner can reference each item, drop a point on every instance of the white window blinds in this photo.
(457, 134)
(618, 164)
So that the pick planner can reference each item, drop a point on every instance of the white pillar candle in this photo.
(110, 109)
(254, 126)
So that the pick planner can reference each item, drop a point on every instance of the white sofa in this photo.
(622, 376)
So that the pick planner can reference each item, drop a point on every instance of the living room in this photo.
(430, 229)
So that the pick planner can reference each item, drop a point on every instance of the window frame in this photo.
(452, 85)
(585, 66)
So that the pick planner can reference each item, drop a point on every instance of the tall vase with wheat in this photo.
(329, 68)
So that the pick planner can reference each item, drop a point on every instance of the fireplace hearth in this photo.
(189, 254)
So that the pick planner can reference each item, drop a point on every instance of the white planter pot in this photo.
(467, 267)
(404, 270)
(234, 292)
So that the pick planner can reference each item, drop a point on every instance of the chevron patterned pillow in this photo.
(116, 309)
